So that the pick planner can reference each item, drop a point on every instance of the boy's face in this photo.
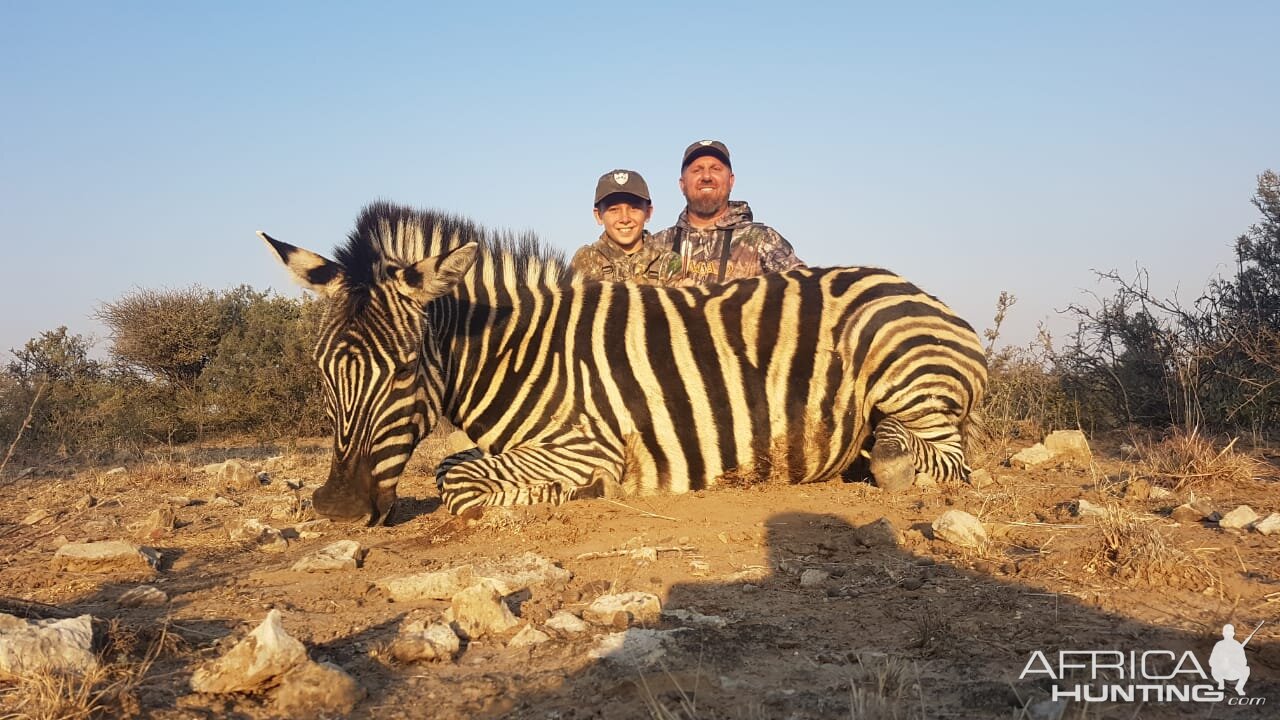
(623, 218)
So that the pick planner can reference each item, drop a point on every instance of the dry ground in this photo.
(920, 629)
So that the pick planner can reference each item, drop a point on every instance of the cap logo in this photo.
(705, 143)
(621, 178)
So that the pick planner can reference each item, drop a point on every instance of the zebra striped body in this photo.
(575, 388)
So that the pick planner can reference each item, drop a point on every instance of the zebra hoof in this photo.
(893, 471)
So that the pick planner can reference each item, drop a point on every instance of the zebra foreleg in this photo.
(900, 454)
(525, 475)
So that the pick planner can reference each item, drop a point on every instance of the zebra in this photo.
(573, 388)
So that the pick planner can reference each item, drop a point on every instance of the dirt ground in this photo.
(903, 626)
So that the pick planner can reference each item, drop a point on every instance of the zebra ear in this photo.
(432, 277)
(309, 270)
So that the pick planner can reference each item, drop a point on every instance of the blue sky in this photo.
(972, 147)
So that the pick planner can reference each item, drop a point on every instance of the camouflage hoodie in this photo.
(735, 248)
(652, 264)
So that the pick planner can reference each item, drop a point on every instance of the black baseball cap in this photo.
(621, 181)
(705, 147)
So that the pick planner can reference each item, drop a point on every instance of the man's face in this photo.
(623, 218)
(706, 183)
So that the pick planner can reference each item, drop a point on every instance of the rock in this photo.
(479, 611)
(419, 641)
(180, 501)
(1046, 710)
(342, 555)
(566, 622)
(274, 462)
(292, 484)
(316, 690)
(85, 502)
(264, 654)
(1238, 519)
(38, 515)
(236, 474)
(439, 585)
(1186, 514)
(980, 479)
(624, 609)
(46, 647)
(115, 471)
(1031, 457)
(1159, 493)
(813, 577)
(263, 536)
(159, 524)
(1269, 525)
(1138, 489)
(1205, 507)
(960, 528)
(880, 533)
(699, 567)
(525, 571)
(693, 617)
(264, 478)
(1084, 508)
(219, 501)
(1069, 445)
(106, 556)
(312, 528)
(528, 636)
(636, 648)
(142, 595)
(212, 468)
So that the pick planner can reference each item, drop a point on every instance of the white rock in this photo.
(528, 635)
(699, 567)
(1068, 444)
(566, 622)
(1159, 493)
(264, 536)
(115, 471)
(623, 609)
(237, 474)
(813, 577)
(1238, 519)
(980, 478)
(479, 611)
(525, 571)
(316, 690)
(219, 501)
(46, 646)
(1268, 525)
(1084, 508)
(105, 556)
(261, 656)
(693, 617)
(342, 555)
(439, 585)
(1031, 457)
(419, 641)
(960, 528)
(142, 595)
(636, 647)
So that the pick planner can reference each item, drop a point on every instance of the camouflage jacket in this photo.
(735, 248)
(604, 260)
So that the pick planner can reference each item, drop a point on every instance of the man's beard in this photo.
(707, 205)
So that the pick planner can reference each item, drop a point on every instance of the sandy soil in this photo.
(904, 626)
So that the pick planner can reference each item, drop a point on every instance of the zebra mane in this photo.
(388, 235)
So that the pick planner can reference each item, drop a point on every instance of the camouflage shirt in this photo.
(652, 264)
(735, 248)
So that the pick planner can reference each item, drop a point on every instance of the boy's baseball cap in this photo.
(621, 181)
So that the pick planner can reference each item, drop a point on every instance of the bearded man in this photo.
(714, 236)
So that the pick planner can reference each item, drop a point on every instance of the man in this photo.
(625, 251)
(714, 236)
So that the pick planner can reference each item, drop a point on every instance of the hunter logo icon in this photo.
(621, 177)
(1227, 662)
(705, 143)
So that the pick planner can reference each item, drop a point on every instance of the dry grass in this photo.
(1185, 459)
(109, 690)
(883, 688)
(1131, 549)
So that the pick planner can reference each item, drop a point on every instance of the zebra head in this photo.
(382, 372)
